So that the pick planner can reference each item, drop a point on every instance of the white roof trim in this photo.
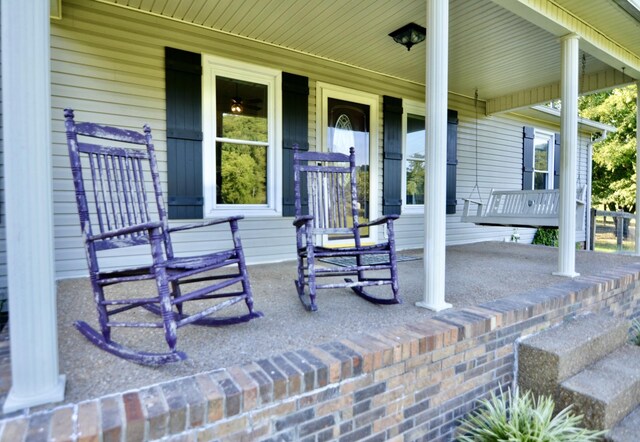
(583, 121)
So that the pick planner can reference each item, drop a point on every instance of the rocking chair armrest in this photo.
(125, 230)
(302, 220)
(210, 222)
(378, 221)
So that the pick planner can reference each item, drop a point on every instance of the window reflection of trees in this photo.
(415, 179)
(242, 168)
(541, 164)
(414, 166)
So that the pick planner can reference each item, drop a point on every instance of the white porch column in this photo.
(26, 111)
(435, 218)
(569, 52)
(637, 167)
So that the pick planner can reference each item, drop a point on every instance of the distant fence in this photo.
(620, 221)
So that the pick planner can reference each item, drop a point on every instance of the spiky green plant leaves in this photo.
(635, 332)
(513, 416)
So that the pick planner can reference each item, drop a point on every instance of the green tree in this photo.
(243, 169)
(614, 159)
(415, 180)
(243, 175)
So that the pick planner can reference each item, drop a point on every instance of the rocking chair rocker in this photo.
(333, 210)
(118, 209)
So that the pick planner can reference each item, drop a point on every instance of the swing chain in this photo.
(476, 187)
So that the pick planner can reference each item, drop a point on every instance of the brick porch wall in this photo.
(412, 382)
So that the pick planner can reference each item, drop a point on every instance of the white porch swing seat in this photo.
(522, 208)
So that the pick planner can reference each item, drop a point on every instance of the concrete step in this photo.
(605, 392)
(627, 430)
(550, 357)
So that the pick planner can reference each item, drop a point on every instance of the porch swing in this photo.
(517, 208)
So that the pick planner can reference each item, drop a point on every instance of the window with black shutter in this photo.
(414, 159)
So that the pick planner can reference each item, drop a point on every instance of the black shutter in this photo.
(392, 147)
(452, 159)
(527, 158)
(183, 71)
(295, 129)
(556, 161)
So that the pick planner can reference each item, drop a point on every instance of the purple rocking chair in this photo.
(334, 212)
(119, 208)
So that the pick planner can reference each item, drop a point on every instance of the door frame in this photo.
(324, 91)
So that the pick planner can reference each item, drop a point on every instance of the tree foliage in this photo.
(614, 158)
(415, 181)
(244, 178)
(243, 169)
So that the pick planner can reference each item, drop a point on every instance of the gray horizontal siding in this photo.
(107, 63)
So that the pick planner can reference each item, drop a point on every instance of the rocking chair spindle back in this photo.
(333, 210)
(120, 204)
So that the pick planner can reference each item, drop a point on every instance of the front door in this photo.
(349, 120)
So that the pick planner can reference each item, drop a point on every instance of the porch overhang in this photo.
(551, 17)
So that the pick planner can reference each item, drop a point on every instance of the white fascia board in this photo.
(585, 122)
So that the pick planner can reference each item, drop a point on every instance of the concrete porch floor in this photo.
(476, 273)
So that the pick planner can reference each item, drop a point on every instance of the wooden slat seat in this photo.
(521, 208)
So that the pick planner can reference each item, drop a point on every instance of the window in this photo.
(543, 156)
(540, 159)
(414, 148)
(241, 110)
(414, 161)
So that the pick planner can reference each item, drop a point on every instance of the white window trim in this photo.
(540, 133)
(415, 108)
(324, 91)
(213, 66)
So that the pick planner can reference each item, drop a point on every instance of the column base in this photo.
(15, 403)
(566, 274)
(434, 307)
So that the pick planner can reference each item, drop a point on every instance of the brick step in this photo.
(605, 392)
(550, 357)
(627, 430)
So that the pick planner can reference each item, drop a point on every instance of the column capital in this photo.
(571, 36)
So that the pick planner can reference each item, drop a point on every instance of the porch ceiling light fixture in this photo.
(408, 35)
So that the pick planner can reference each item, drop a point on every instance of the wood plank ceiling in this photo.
(490, 48)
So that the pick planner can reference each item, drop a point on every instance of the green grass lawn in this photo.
(606, 239)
